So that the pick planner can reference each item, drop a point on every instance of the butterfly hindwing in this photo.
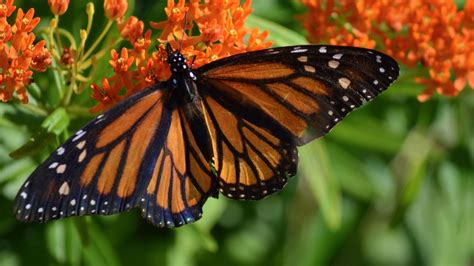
(181, 178)
(250, 161)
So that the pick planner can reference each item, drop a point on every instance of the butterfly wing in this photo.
(137, 154)
(251, 162)
(290, 95)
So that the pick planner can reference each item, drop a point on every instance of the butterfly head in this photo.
(176, 60)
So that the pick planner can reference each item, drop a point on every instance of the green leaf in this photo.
(15, 169)
(309, 240)
(315, 167)
(64, 242)
(409, 167)
(56, 122)
(279, 35)
(366, 132)
(351, 173)
(99, 251)
(213, 210)
(36, 144)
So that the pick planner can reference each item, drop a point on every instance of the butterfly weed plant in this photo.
(394, 177)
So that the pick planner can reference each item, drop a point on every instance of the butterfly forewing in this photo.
(305, 89)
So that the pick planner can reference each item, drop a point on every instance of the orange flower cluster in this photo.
(432, 33)
(221, 33)
(19, 55)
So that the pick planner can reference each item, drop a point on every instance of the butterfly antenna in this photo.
(184, 31)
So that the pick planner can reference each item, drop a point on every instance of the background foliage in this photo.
(391, 185)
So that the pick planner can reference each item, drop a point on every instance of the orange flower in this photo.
(7, 8)
(222, 33)
(121, 63)
(58, 7)
(18, 53)
(115, 8)
(432, 33)
(103, 95)
(132, 29)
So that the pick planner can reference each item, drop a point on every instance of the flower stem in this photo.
(69, 36)
(35, 109)
(98, 40)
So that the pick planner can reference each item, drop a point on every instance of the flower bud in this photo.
(58, 7)
(115, 8)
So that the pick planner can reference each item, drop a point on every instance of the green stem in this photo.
(85, 64)
(67, 96)
(81, 78)
(58, 37)
(97, 41)
(69, 36)
(78, 111)
(35, 109)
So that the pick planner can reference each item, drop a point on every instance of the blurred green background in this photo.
(391, 185)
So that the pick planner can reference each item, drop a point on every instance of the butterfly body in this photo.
(230, 127)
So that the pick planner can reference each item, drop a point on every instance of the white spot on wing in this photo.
(53, 165)
(73, 202)
(81, 144)
(299, 51)
(79, 135)
(309, 68)
(323, 50)
(303, 59)
(82, 156)
(61, 169)
(344, 82)
(333, 64)
(60, 150)
(28, 206)
(23, 195)
(337, 56)
(64, 190)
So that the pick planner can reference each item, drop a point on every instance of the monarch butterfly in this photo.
(231, 126)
